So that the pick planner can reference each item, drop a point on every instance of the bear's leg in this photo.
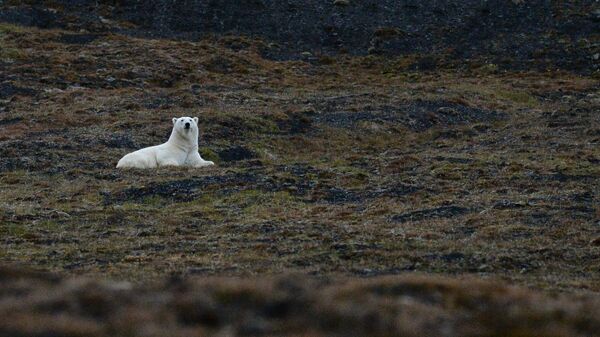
(136, 160)
(168, 162)
(169, 156)
(194, 160)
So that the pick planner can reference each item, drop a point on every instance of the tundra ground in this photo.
(341, 167)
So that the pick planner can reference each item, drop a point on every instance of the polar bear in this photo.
(180, 150)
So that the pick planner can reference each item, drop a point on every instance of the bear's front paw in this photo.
(204, 163)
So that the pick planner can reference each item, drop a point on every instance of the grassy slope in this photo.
(355, 166)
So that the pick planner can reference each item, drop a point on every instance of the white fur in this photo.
(180, 150)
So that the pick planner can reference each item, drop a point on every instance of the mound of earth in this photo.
(41, 304)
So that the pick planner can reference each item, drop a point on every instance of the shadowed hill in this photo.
(524, 35)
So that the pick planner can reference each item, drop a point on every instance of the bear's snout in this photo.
(187, 125)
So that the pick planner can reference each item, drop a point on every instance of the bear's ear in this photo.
(195, 120)
(174, 120)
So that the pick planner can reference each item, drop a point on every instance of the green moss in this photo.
(131, 206)
(208, 154)
(8, 51)
(49, 225)
(260, 204)
(13, 229)
(8, 28)
(520, 97)
(154, 200)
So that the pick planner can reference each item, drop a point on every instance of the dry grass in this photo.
(325, 175)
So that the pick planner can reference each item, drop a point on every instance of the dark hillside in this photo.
(512, 35)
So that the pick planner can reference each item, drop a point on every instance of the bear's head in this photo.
(186, 127)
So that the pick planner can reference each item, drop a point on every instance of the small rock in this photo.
(595, 15)
(507, 204)
(448, 111)
(58, 214)
(595, 241)
(341, 2)
(596, 56)
(270, 155)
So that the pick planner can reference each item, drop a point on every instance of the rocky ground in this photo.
(340, 165)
